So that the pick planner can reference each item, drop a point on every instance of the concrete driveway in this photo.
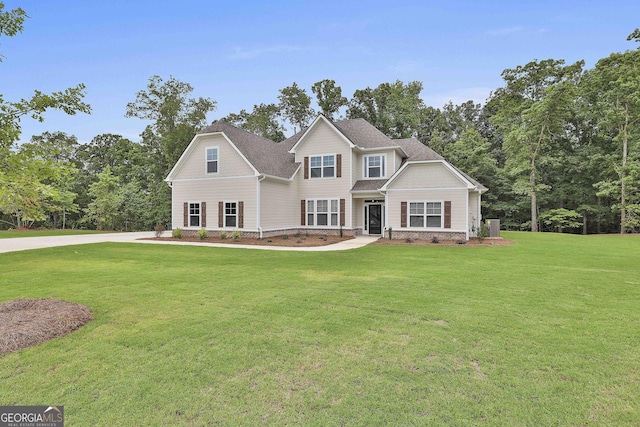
(26, 243)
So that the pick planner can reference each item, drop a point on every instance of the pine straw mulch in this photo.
(291, 240)
(489, 241)
(24, 323)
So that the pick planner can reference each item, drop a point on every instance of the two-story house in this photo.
(332, 177)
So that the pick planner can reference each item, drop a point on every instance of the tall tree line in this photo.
(557, 145)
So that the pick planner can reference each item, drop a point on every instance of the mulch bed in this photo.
(489, 241)
(290, 241)
(24, 323)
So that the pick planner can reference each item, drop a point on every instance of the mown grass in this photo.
(543, 332)
(10, 234)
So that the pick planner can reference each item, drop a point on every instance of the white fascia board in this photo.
(193, 143)
(446, 164)
(377, 149)
(313, 125)
(276, 178)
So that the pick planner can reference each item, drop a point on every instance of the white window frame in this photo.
(383, 166)
(322, 166)
(207, 161)
(332, 212)
(225, 215)
(193, 215)
(425, 215)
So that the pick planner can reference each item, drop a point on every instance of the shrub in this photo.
(269, 240)
(223, 234)
(408, 240)
(299, 241)
(202, 234)
(158, 230)
(435, 239)
(483, 232)
(285, 237)
(235, 234)
(177, 233)
(461, 242)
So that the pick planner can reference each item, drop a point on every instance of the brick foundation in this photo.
(425, 235)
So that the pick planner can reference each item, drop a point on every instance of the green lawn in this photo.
(4, 234)
(544, 332)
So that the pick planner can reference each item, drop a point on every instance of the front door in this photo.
(375, 219)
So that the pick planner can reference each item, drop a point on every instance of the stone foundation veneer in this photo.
(425, 235)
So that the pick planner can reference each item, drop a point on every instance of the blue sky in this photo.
(242, 53)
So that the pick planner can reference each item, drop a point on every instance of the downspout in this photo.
(259, 202)
(386, 213)
(467, 215)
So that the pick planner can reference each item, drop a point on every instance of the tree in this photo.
(613, 87)
(176, 118)
(104, 209)
(23, 172)
(295, 105)
(394, 108)
(329, 97)
(175, 121)
(532, 109)
(11, 22)
(262, 121)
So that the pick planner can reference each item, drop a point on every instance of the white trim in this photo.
(469, 184)
(312, 126)
(206, 160)
(425, 215)
(187, 152)
(189, 226)
(322, 166)
(213, 178)
(224, 214)
(329, 212)
(426, 189)
(383, 166)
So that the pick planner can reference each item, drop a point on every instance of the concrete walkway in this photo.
(26, 243)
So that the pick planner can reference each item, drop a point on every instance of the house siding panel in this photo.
(458, 198)
(280, 205)
(230, 163)
(324, 140)
(427, 175)
(213, 191)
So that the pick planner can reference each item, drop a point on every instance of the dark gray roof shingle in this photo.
(266, 156)
(368, 184)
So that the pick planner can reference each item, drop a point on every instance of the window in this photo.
(374, 166)
(194, 214)
(212, 160)
(425, 214)
(230, 214)
(323, 212)
(322, 166)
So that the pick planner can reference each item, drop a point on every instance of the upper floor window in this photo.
(374, 166)
(212, 160)
(322, 166)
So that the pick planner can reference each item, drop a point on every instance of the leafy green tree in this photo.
(329, 97)
(103, 211)
(614, 90)
(394, 108)
(262, 121)
(295, 106)
(532, 109)
(561, 219)
(175, 119)
(11, 22)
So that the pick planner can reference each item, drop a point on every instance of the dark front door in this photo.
(375, 219)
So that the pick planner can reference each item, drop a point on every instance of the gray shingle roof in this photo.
(363, 134)
(368, 184)
(417, 150)
(266, 156)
